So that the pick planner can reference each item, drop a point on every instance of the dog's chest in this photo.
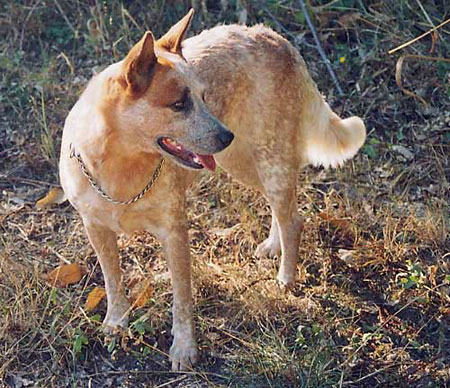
(155, 212)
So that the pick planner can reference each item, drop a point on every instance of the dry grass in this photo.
(372, 304)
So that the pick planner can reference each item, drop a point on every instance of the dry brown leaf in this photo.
(55, 195)
(344, 226)
(432, 270)
(434, 38)
(65, 274)
(348, 20)
(141, 293)
(94, 298)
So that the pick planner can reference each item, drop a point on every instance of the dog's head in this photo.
(155, 101)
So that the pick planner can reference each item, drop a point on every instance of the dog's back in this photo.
(258, 85)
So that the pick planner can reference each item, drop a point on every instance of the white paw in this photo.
(270, 247)
(116, 317)
(183, 354)
(286, 280)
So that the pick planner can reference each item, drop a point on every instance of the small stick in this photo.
(418, 38)
(320, 49)
(65, 17)
(281, 27)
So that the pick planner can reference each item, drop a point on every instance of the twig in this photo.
(61, 11)
(344, 383)
(322, 7)
(284, 29)
(320, 49)
(176, 380)
(428, 58)
(279, 25)
(32, 182)
(24, 24)
(418, 38)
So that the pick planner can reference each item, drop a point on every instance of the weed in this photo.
(79, 341)
(414, 277)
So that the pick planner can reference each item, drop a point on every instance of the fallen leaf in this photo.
(227, 232)
(403, 151)
(141, 293)
(162, 277)
(55, 195)
(22, 382)
(348, 20)
(66, 274)
(348, 256)
(432, 270)
(434, 38)
(445, 293)
(94, 298)
(345, 226)
(302, 273)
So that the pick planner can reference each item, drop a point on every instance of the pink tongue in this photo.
(208, 161)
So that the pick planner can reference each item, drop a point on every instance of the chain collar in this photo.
(100, 191)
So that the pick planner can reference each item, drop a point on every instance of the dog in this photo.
(143, 128)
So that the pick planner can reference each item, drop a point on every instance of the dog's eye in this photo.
(182, 104)
(179, 106)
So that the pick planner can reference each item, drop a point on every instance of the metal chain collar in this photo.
(100, 191)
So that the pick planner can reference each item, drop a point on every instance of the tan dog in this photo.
(166, 98)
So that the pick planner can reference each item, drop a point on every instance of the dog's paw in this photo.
(116, 318)
(286, 281)
(184, 355)
(270, 247)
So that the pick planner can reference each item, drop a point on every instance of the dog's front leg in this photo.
(104, 242)
(183, 353)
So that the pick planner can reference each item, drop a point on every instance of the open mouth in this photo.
(186, 157)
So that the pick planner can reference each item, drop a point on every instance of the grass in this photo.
(372, 303)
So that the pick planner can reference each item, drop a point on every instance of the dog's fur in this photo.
(248, 78)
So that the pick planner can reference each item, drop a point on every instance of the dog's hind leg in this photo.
(280, 191)
(104, 242)
(271, 246)
(291, 240)
(290, 226)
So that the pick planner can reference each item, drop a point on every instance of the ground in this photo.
(371, 307)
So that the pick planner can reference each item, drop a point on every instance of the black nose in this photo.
(225, 137)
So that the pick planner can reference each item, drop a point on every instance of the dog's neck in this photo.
(120, 170)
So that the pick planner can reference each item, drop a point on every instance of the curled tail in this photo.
(333, 140)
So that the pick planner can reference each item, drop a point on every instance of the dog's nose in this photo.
(225, 137)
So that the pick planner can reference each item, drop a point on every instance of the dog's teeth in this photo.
(196, 160)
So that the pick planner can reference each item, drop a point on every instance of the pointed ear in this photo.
(139, 63)
(171, 41)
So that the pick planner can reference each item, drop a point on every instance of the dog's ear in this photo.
(138, 65)
(171, 41)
